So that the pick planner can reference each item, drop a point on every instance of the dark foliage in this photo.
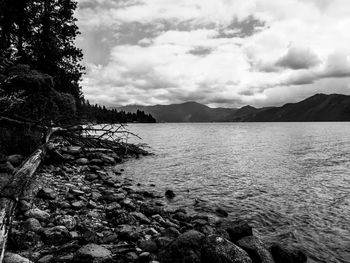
(97, 114)
(41, 33)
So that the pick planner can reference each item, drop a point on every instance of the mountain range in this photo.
(320, 107)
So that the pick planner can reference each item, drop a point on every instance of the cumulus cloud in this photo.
(298, 58)
(218, 52)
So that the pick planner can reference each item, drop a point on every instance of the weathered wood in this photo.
(18, 185)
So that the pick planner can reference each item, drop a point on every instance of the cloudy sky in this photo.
(218, 52)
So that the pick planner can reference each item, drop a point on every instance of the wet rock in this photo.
(15, 159)
(169, 194)
(186, 248)
(67, 220)
(56, 235)
(47, 193)
(220, 211)
(15, 258)
(148, 245)
(220, 250)
(82, 161)
(76, 192)
(32, 224)
(37, 214)
(287, 254)
(6, 168)
(256, 249)
(92, 253)
(239, 231)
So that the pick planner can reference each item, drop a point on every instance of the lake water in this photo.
(291, 181)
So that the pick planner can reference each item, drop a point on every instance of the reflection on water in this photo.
(291, 180)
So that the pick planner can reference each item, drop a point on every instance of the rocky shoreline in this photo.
(84, 210)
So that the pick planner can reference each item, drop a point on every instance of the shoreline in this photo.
(85, 211)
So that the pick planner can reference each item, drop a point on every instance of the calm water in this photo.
(290, 180)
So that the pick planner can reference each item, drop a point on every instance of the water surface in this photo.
(290, 180)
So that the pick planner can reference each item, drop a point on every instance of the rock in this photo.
(68, 221)
(15, 159)
(220, 250)
(47, 193)
(256, 249)
(186, 248)
(6, 168)
(37, 214)
(162, 242)
(78, 205)
(129, 233)
(141, 217)
(148, 245)
(92, 253)
(145, 257)
(91, 177)
(32, 224)
(287, 254)
(171, 232)
(76, 192)
(56, 235)
(82, 161)
(120, 217)
(239, 231)
(221, 212)
(169, 194)
(15, 258)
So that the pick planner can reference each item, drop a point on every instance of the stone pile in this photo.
(85, 211)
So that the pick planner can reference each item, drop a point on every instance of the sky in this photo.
(222, 53)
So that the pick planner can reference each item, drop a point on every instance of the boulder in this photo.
(256, 249)
(37, 214)
(287, 254)
(220, 250)
(32, 224)
(169, 194)
(186, 248)
(92, 253)
(148, 245)
(56, 235)
(220, 211)
(239, 231)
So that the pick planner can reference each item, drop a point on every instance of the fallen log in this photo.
(13, 191)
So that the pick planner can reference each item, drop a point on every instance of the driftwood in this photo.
(20, 181)
(110, 138)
